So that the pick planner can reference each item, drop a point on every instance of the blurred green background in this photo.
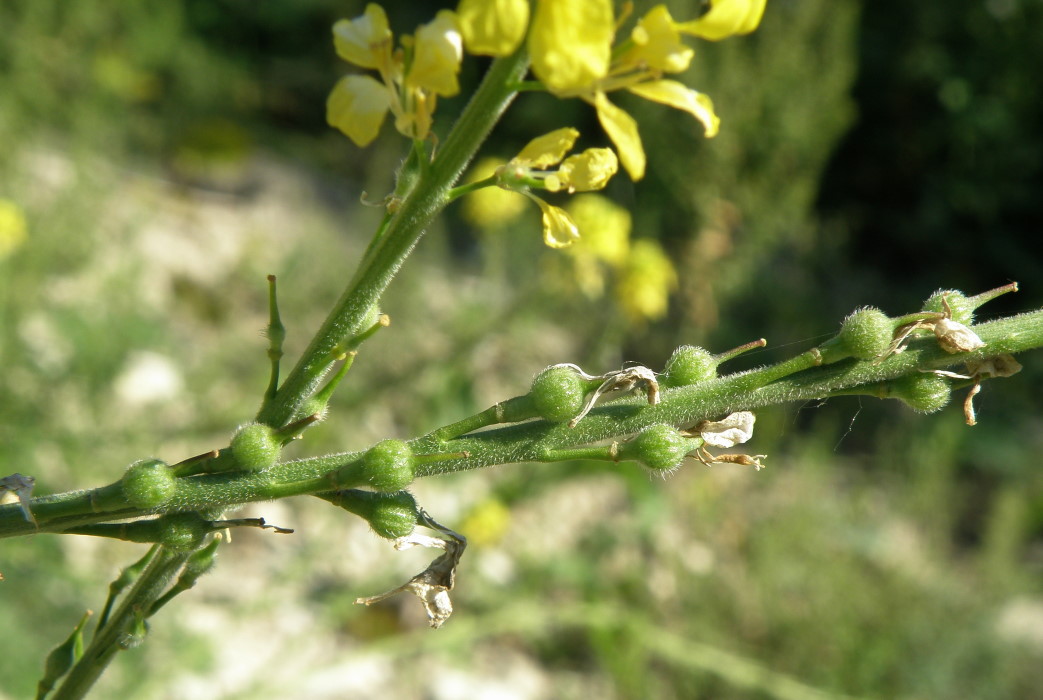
(166, 156)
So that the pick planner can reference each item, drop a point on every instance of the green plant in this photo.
(180, 508)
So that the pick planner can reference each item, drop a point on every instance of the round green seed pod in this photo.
(558, 393)
(183, 531)
(388, 465)
(866, 334)
(923, 392)
(659, 447)
(959, 305)
(255, 446)
(689, 364)
(393, 516)
(148, 483)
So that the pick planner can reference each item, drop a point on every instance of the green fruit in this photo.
(689, 364)
(183, 532)
(866, 334)
(255, 446)
(148, 483)
(393, 516)
(659, 447)
(923, 391)
(558, 393)
(959, 305)
(388, 465)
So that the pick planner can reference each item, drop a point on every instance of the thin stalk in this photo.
(106, 643)
(428, 197)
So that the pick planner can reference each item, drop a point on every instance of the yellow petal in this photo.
(547, 150)
(357, 106)
(559, 230)
(657, 43)
(590, 170)
(726, 18)
(493, 27)
(359, 40)
(570, 42)
(679, 96)
(622, 129)
(439, 50)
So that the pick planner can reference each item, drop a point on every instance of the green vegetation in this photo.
(167, 158)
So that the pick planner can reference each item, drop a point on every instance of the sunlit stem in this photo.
(735, 352)
(324, 394)
(979, 299)
(512, 410)
(194, 465)
(383, 321)
(601, 452)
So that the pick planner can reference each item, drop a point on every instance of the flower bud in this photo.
(148, 483)
(660, 447)
(388, 465)
(923, 392)
(689, 364)
(866, 334)
(183, 532)
(255, 446)
(960, 308)
(393, 516)
(557, 392)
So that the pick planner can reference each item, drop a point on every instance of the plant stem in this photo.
(529, 441)
(106, 643)
(386, 255)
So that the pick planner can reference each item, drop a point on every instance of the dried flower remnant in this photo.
(22, 487)
(432, 585)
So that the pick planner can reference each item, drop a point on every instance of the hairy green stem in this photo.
(530, 440)
(383, 260)
(106, 643)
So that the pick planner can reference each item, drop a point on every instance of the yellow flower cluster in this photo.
(412, 78)
(573, 50)
(542, 164)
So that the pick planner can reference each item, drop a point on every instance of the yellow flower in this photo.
(357, 107)
(493, 27)
(436, 60)
(559, 230)
(13, 227)
(547, 150)
(410, 81)
(365, 40)
(588, 171)
(570, 42)
(571, 46)
(656, 43)
(646, 282)
(726, 18)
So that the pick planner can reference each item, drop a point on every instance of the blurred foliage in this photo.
(167, 156)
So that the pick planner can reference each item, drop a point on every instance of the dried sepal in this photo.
(954, 337)
(432, 585)
(730, 431)
(621, 380)
(22, 487)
